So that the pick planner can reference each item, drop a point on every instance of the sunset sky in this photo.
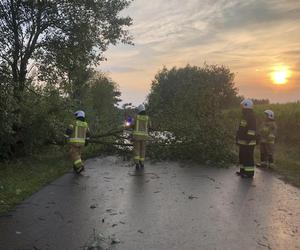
(253, 38)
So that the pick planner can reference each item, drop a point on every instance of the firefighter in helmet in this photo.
(140, 135)
(77, 134)
(267, 134)
(246, 139)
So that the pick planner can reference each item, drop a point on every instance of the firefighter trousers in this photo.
(246, 160)
(139, 150)
(75, 155)
(266, 153)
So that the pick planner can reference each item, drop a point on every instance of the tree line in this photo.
(48, 52)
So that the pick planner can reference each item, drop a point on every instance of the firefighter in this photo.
(140, 135)
(246, 139)
(267, 139)
(77, 134)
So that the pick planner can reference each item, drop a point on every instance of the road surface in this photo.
(167, 206)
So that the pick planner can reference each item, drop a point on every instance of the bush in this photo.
(188, 102)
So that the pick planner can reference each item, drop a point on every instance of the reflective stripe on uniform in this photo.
(142, 159)
(140, 133)
(243, 123)
(251, 132)
(136, 158)
(77, 162)
(76, 138)
(137, 130)
(245, 143)
(271, 139)
(249, 169)
(81, 124)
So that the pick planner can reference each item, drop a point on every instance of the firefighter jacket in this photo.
(246, 134)
(268, 132)
(78, 132)
(141, 127)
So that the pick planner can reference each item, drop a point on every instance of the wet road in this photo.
(168, 206)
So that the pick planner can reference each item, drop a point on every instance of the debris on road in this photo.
(115, 241)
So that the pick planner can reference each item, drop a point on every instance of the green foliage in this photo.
(47, 52)
(100, 103)
(47, 114)
(188, 102)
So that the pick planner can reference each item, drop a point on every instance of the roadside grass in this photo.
(287, 164)
(22, 177)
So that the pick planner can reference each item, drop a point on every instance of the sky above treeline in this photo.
(254, 38)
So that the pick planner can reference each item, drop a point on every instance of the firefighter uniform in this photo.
(140, 135)
(78, 132)
(267, 140)
(246, 140)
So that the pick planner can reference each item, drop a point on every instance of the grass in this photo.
(22, 177)
(287, 164)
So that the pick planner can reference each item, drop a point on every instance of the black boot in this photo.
(78, 170)
(137, 166)
(141, 164)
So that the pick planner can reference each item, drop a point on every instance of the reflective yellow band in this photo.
(249, 169)
(142, 117)
(77, 140)
(243, 123)
(251, 132)
(250, 143)
(136, 158)
(140, 133)
(77, 162)
(142, 159)
(81, 124)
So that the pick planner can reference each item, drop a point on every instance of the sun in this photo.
(280, 75)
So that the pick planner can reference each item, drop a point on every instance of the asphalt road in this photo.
(166, 206)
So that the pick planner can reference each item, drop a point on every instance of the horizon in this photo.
(252, 39)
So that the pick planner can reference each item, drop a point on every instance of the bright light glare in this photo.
(280, 75)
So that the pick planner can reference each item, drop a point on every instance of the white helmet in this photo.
(141, 108)
(270, 114)
(79, 113)
(247, 104)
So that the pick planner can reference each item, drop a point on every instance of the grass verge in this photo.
(22, 177)
(287, 163)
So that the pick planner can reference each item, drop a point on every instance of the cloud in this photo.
(245, 35)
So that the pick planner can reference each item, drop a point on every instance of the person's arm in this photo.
(241, 131)
(251, 130)
(272, 133)
(88, 132)
(69, 131)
